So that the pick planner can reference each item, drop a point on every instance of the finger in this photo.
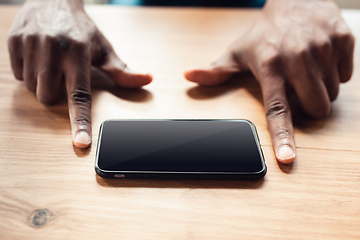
(324, 66)
(16, 60)
(312, 94)
(346, 62)
(278, 117)
(306, 78)
(50, 83)
(31, 54)
(77, 78)
(50, 79)
(118, 71)
(345, 43)
(124, 77)
(332, 82)
(30, 74)
(221, 70)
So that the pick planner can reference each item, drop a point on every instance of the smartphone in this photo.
(173, 149)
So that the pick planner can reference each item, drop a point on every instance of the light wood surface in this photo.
(49, 189)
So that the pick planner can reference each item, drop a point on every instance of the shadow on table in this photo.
(179, 183)
(286, 168)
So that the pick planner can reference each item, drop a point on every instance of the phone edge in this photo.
(182, 175)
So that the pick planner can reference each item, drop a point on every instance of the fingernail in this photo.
(83, 138)
(285, 154)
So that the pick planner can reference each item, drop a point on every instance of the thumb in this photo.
(219, 71)
(118, 71)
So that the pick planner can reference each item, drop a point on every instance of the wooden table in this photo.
(49, 189)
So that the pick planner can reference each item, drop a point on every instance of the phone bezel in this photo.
(181, 175)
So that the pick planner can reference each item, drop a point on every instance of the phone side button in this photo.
(119, 175)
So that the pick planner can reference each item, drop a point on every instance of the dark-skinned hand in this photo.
(52, 45)
(301, 45)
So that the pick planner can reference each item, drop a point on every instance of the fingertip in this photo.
(148, 78)
(82, 140)
(194, 75)
(18, 76)
(188, 75)
(205, 77)
(345, 71)
(129, 79)
(285, 154)
(136, 80)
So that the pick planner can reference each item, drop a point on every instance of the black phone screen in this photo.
(202, 146)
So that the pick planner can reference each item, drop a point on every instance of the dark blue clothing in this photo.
(192, 3)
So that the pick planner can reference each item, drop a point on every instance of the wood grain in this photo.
(49, 190)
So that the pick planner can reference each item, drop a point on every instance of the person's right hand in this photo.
(53, 43)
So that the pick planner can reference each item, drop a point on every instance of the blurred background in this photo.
(234, 3)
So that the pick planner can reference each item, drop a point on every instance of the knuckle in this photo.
(78, 44)
(50, 40)
(82, 119)
(269, 65)
(343, 37)
(235, 56)
(57, 43)
(31, 41)
(80, 48)
(283, 133)
(271, 60)
(294, 49)
(63, 43)
(276, 108)
(295, 53)
(100, 56)
(300, 51)
(81, 97)
(323, 46)
(14, 42)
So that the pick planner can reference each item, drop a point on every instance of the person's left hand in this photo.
(302, 45)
